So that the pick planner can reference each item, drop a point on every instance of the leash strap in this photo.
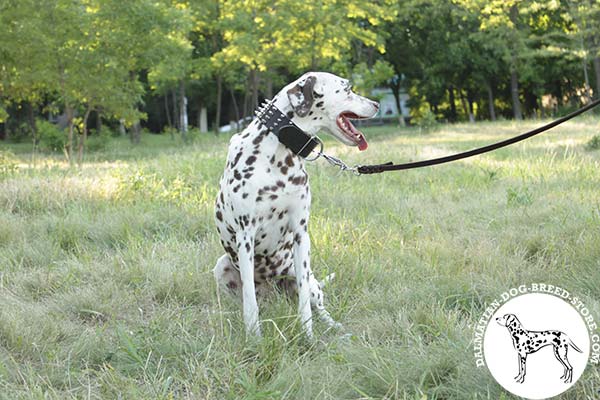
(288, 133)
(390, 166)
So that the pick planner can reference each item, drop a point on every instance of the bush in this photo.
(51, 137)
(594, 143)
(427, 121)
(98, 141)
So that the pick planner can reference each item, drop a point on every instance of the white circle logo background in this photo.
(536, 312)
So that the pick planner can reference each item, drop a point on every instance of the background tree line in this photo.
(160, 64)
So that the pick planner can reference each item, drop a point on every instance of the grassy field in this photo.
(106, 288)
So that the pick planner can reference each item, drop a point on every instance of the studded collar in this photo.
(287, 132)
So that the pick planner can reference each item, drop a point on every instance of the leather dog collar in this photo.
(288, 133)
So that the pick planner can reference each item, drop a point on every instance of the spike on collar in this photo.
(288, 133)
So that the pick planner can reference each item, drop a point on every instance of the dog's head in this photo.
(323, 101)
(508, 320)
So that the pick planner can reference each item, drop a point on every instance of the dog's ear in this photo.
(301, 96)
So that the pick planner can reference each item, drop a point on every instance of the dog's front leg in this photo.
(245, 244)
(302, 268)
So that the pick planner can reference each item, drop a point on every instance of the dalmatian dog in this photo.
(262, 208)
(528, 342)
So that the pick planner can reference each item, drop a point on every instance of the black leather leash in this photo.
(302, 144)
(390, 166)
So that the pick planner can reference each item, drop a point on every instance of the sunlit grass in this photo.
(106, 288)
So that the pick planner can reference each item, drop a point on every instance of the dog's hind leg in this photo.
(562, 353)
(227, 276)
(566, 369)
(316, 301)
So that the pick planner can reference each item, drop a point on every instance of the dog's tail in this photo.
(573, 346)
(327, 279)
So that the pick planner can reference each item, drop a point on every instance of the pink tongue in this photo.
(362, 144)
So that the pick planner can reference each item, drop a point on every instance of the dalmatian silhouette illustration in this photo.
(528, 342)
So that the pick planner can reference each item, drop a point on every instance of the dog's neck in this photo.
(279, 118)
(283, 104)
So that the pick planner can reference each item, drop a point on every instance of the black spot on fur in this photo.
(237, 175)
(250, 160)
(289, 161)
(237, 158)
(219, 216)
(319, 104)
(258, 139)
(290, 114)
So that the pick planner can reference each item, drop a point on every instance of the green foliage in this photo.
(50, 136)
(427, 121)
(364, 79)
(593, 143)
(8, 163)
(98, 142)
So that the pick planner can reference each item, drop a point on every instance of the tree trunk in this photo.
(183, 116)
(586, 80)
(203, 120)
(122, 130)
(168, 114)
(31, 120)
(514, 91)
(98, 122)
(175, 109)
(514, 79)
(470, 102)
(396, 92)
(82, 139)
(269, 93)
(135, 133)
(219, 98)
(236, 110)
(491, 105)
(597, 72)
(69, 149)
(463, 101)
(451, 99)
(254, 83)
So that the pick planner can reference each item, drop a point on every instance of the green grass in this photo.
(106, 288)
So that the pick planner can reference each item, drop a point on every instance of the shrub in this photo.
(427, 121)
(98, 141)
(594, 143)
(51, 137)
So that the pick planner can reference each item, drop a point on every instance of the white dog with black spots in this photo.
(262, 209)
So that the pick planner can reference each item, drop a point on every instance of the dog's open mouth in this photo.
(343, 122)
